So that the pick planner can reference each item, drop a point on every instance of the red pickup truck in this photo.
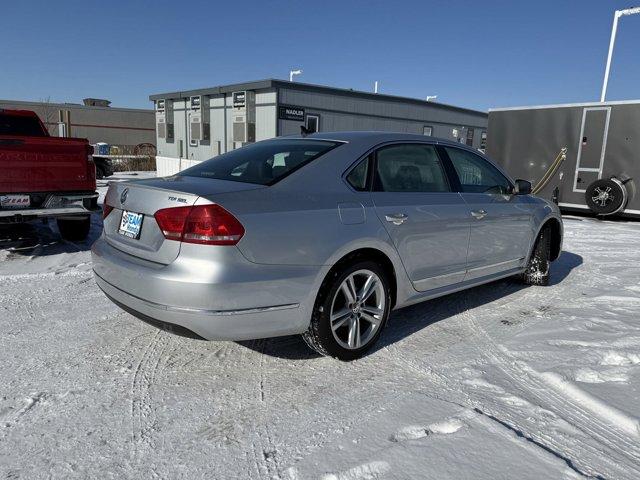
(43, 176)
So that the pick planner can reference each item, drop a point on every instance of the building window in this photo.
(483, 141)
(313, 123)
(427, 130)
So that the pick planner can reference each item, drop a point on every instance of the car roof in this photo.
(376, 137)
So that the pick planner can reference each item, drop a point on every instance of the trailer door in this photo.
(591, 147)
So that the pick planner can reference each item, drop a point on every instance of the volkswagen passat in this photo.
(321, 235)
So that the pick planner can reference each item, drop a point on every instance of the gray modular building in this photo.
(195, 125)
(602, 162)
(95, 121)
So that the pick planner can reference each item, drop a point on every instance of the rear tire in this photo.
(537, 272)
(74, 230)
(100, 173)
(351, 310)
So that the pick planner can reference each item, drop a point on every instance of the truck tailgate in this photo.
(45, 164)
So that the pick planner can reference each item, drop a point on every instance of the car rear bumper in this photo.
(222, 297)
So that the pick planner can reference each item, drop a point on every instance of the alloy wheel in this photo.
(357, 309)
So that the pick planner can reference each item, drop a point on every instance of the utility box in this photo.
(164, 118)
(199, 124)
(244, 116)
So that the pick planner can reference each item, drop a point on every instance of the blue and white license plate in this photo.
(130, 224)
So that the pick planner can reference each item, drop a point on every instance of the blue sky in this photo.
(477, 54)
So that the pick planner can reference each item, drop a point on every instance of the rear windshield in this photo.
(20, 125)
(263, 163)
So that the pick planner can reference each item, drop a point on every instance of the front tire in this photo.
(351, 310)
(74, 229)
(537, 272)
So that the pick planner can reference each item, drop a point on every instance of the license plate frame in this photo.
(131, 224)
(12, 201)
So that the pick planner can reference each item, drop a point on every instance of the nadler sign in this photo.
(286, 112)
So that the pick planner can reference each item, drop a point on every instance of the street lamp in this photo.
(294, 72)
(614, 30)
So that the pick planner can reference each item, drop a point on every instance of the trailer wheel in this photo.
(74, 229)
(606, 196)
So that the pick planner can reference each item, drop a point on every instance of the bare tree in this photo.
(49, 115)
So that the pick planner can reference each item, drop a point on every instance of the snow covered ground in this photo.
(501, 381)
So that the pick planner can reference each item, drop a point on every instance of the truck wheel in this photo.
(100, 173)
(351, 310)
(606, 196)
(74, 229)
(537, 272)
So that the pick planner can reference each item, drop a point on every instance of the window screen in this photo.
(409, 168)
(476, 174)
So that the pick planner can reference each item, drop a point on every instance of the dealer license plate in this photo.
(14, 201)
(130, 224)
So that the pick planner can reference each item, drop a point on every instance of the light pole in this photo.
(294, 72)
(612, 42)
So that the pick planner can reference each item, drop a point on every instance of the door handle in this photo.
(396, 218)
(478, 214)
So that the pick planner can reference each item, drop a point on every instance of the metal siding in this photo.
(380, 107)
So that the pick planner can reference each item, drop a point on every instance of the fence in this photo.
(166, 166)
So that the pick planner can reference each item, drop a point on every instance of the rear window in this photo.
(263, 163)
(19, 125)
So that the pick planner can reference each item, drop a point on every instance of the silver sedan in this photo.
(320, 235)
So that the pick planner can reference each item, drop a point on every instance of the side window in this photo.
(357, 178)
(409, 168)
(476, 174)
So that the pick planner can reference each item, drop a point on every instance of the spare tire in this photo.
(606, 196)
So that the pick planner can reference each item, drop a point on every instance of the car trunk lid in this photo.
(146, 197)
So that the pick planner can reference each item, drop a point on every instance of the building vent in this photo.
(162, 128)
(196, 129)
(244, 132)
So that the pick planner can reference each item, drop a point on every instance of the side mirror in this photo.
(523, 187)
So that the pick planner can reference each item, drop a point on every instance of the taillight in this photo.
(203, 224)
(106, 210)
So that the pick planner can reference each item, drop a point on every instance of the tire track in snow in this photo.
(485, 345)
(568, 408)
(143, 420)
(265, 453)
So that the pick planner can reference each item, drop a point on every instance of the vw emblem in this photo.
(123, 195)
